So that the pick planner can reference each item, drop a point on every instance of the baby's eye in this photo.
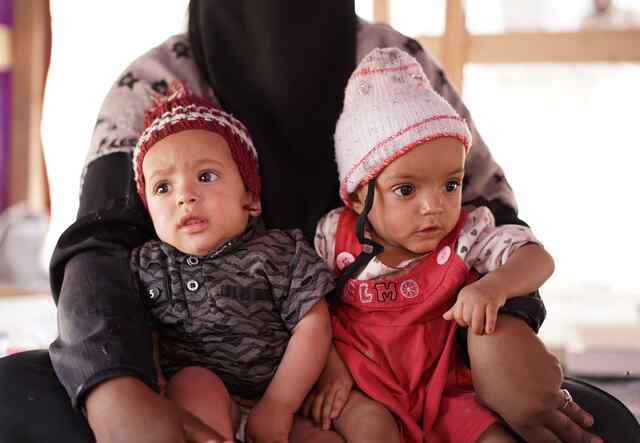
(451, 185)
(404, 190)
(161, 188)
(207, 176)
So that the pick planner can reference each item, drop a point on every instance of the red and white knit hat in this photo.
(389, 109)
(181, 110)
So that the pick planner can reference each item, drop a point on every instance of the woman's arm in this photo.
(518, 378)
(102, 328)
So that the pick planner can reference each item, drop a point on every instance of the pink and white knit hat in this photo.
(181, 110)
(389, 109)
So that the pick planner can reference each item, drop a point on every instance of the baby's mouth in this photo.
(192, 224)
(428, 230)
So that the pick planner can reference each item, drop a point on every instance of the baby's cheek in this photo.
(164, 233)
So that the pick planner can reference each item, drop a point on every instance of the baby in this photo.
(240, 320)
(409, 258)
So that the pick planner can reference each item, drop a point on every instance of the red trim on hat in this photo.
(368, 71)
(403, 131)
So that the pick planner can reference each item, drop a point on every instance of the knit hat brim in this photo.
(399, 144)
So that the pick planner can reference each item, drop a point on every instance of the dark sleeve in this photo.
(102, 327)
(309, 280)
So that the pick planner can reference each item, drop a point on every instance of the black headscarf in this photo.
(281, 66)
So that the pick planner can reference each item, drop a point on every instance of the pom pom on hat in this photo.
(389, 109)
(181, 110)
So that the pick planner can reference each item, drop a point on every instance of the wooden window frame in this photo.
(31, 49)
(456, 47)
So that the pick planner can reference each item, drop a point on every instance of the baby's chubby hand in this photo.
(327, 399)
(477, 307)
(269, 422)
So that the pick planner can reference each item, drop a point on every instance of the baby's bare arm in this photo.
(303, 360)
(272, 417)
(524, 271)
(478, 303)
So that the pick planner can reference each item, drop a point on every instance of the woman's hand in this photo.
(269, 422)
(565, 422)
(123, 410)
(327, 399)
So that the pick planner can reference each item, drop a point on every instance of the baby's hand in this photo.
(327, 399)
(477, 307)
(269, 422)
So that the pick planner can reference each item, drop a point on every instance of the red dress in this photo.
(401, 352)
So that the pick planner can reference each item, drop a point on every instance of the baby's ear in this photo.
(357, 199)
(253, 206)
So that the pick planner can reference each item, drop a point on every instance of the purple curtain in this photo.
(6, 19)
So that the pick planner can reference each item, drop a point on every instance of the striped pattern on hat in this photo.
(181, 110)
(389, 109)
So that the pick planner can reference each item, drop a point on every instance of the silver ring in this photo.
(566, 398)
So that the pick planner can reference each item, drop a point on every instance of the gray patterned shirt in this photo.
(234, 310)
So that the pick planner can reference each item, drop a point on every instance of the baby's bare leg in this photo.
(367, 421)
(305, 431)
(202, 393)
(496, 434)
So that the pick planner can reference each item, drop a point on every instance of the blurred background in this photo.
(553, 87)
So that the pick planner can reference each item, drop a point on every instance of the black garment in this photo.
(35, 408)
(102, 327)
